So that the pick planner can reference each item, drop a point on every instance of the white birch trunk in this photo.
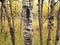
(28, 16)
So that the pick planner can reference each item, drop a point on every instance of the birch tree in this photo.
(11, 12)
(9, 22)
(1, 17)
(58, 25)
(27, 10)
(50, 20)
(40, 7)
(12, 31)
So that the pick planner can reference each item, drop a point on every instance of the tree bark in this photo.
(12, 32)
(50, 20)
(1, 17)
(58, 26)
(27, 17)
(10, 24)
(40, 7)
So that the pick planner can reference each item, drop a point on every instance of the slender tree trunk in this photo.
(13, 33)
(28, 16)
(50, 20)
(1, 18)
(40, 7)
(11, 13)
(10, 25)
(11, 28)
(58, 26)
